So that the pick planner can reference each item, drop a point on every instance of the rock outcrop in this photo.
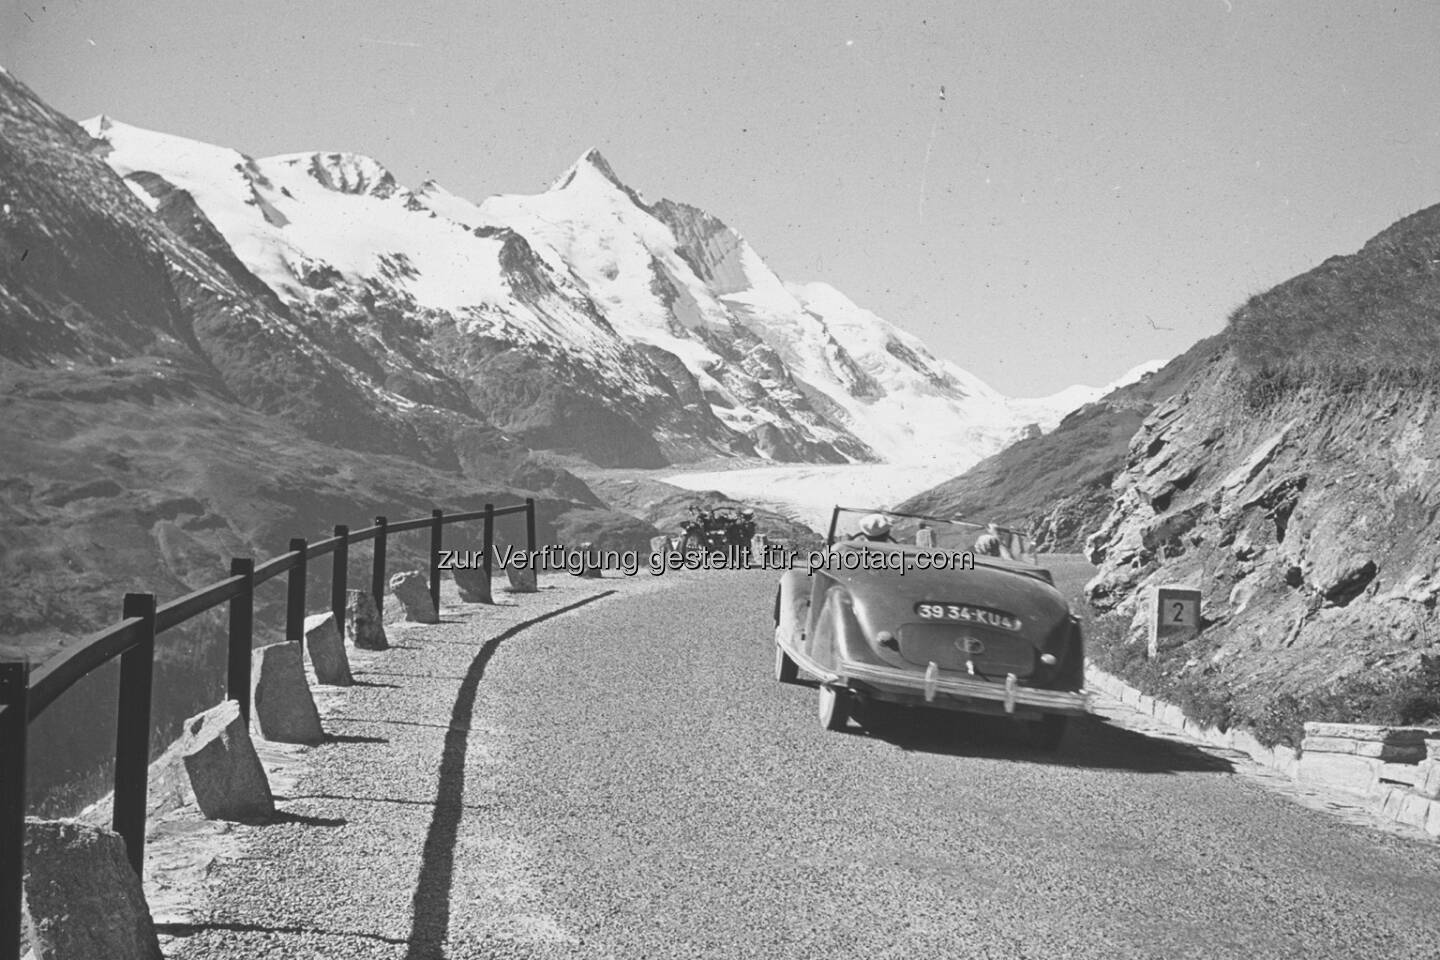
(1294, 479)
(1309, 520)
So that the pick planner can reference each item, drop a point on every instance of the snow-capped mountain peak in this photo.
(653, 323)
(593, 171)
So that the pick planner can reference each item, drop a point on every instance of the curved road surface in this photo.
(625, 780)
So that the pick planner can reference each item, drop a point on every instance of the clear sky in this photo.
(1101, 184)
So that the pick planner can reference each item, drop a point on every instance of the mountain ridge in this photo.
(590, 270)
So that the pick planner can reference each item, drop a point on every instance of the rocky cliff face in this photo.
(1294, 480)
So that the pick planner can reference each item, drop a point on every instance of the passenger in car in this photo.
(875, 529)
(990, 544)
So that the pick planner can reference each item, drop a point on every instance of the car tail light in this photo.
(1048, 659)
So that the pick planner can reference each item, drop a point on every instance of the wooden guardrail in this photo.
(25, 693)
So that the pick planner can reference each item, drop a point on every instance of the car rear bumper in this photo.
(928, 687)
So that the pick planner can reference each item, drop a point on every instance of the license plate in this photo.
(964, 613)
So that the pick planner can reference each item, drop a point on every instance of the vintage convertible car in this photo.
(924, 618)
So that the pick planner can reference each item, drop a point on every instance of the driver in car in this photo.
(875, 529)
(990, 544)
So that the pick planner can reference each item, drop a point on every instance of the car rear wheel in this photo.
(1047, 732)
(786, 670)
(835, 704)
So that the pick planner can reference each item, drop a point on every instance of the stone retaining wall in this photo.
(1358, 758)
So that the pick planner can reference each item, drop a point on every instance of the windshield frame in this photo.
(1015, 538)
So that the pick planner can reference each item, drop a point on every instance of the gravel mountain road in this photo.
(624, 779)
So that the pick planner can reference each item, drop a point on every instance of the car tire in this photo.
(786, 670)
(1047, 732)
(835, 703)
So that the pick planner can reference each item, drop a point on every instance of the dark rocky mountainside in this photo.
(162, 411)
(1294, 479)
(1056, 485)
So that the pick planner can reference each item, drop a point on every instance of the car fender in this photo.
(792, 598)
(836, 630)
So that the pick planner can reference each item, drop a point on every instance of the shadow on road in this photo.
(1089, 742)
(430, 924)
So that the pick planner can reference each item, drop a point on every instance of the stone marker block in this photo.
(589, 561)
(1432, 822)
(473, 584)
(1342, 771)
(84, 901)
(327, 651)
(284, 709)
(225, 773)
(363, 621)
(522, 579)
(412, 589)
(1174, 617)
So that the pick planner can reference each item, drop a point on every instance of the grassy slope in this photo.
(1353, 318)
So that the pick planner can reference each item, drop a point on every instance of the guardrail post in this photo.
(437, 523)
(530, 525)
(242, 635)
(488, 557)
(338, 577)
(295, 596)
(14, 697)
(132, 731)
(377, 573)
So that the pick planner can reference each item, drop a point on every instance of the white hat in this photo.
(875, 525)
